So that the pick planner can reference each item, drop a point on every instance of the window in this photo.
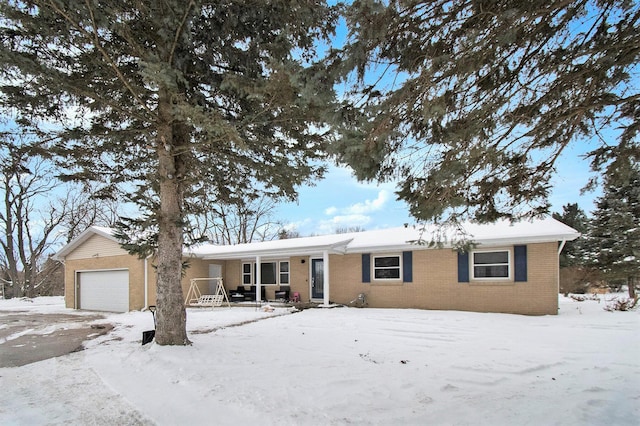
(491, 264)
(268, 272)
(271, 273)
(386, 268)
(284, 273)
(246, 273)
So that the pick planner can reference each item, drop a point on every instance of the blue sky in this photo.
(340, 201)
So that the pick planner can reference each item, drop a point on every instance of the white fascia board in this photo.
(485, 242)
(386, 249)
(228, 252)
(527, 240)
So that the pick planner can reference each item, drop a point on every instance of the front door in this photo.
(215, 271)
(317, 278)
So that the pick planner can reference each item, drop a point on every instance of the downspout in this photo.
(258, 282)
(562, 243)
(146, 283)
(325, 272)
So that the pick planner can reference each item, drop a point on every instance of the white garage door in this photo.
(104, 290)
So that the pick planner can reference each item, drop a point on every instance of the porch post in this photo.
(258, 280)
(325, 288)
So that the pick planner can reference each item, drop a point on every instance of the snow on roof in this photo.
(391, 239)
(336, 243)
(492, 234)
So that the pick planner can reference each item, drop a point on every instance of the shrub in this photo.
(621, 304)
(583, 297)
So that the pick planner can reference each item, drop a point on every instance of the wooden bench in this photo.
(207, 300)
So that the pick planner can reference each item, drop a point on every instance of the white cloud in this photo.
(297, 225)
(355, 215)
(369, 206)
(331, 211)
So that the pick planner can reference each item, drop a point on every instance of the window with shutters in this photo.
(387, 268)
(491, 264)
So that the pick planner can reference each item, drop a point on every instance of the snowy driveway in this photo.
(27, 337)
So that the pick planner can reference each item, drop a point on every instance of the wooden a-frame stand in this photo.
(195, 298)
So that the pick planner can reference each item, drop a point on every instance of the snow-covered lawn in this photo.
(341, 366)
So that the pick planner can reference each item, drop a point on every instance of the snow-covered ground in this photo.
(341, 366)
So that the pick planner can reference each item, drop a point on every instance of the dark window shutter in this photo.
(407, 266)
(463, 267)
(520, 263)
(366, 268)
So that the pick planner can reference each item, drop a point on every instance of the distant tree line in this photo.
(608, 253)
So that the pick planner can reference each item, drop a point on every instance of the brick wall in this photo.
(435, 284)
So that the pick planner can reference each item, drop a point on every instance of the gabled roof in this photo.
(84, 236)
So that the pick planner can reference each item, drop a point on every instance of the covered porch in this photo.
(281, 270)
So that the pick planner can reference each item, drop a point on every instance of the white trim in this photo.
(243, 273)
(102, 270)
(146, 281)
(311, 259)
(258, 280)
(562, 243)
(400, 267)
(253, 271)
(325, 278)
(280, 273)
(472, 271)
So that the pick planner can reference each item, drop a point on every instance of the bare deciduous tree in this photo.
(240, 222)
(28, 218)
(39, 213)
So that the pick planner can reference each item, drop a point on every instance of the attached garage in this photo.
(105, 290)
(102, 276)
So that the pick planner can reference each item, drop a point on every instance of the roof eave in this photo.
(335, 248)
(484, 242)
(533, 239)
(84, 235)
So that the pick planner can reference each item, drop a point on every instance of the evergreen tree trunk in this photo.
(631, 284)
(171, 314)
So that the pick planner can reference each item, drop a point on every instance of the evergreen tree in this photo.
(614, 238)
(573, 216)
(177, 103)
(468, 104)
